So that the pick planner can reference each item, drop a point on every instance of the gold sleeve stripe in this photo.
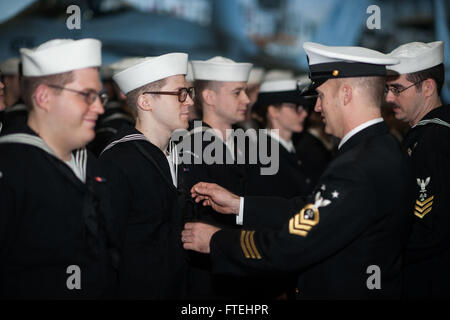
(244, 248)
(422, 203)
(423, 214)
(247, 244)
(252, 242)
(424, 208)
(293, 229)
(298, 224)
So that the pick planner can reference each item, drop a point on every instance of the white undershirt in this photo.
(172, 159)
(75, 168)
(229, 143)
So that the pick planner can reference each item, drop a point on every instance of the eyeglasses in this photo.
(396, 91)
(182, 93)
(89, 96)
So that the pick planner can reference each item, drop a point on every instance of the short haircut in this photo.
(373, 88)
(199, 87)
(133, 95)
(28, 85)
(437, 73)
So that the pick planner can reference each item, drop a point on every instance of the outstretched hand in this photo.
(220, 199)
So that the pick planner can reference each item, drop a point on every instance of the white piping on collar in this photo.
(77, 164)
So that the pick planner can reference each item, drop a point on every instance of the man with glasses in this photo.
(56, 233)
(153, 264)
(413, 88)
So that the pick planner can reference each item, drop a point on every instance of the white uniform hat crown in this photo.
(417, 56)
(327, 62)
(190, 73)
(221, 69)
(151, 69)
(61, 55)
(256, 75)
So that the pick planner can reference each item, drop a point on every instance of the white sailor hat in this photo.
(61, 55)
(125, 63)
(283, 91)
(256, 75)
(106, 72)
(221, 69)
(111, 69)
(278, 74)
(190, 73)
(10, 66)
(151, 69)
(326, 62)
(417, 56)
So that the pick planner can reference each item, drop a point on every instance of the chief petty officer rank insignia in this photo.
(300, 224)
(424, 204)
(308, 217)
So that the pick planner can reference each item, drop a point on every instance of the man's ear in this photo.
(209, 97)
(272, 112)
(429, 87)
(347, 92)
(144, 102)
(42, 97)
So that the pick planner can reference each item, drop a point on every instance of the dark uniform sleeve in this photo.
(269, 212)
(4, 211)
(342, 208)
(7, 213)
(431, 159)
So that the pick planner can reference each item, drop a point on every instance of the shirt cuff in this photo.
(240, 216)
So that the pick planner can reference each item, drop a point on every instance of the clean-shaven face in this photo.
(72, 118)
(327, 105)
(232, 101)
(167, 109)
